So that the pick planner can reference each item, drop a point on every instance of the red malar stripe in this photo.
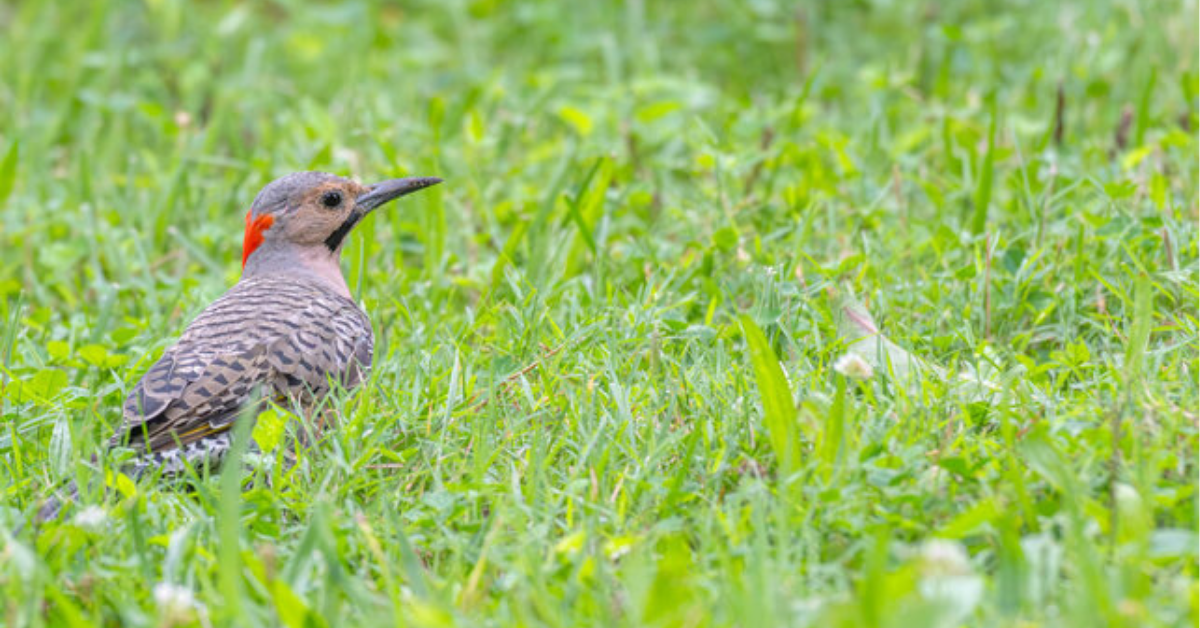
(254, 233)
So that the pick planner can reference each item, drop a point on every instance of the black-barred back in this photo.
(284, 335)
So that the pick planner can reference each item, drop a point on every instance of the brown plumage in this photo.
(288, 336)
(287, 331)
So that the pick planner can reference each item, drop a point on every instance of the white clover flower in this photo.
(1127, 497)
(940, 557)
(948, 579)
(91, 518)
(854, 366)
(176, 603)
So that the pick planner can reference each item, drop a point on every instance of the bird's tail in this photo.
(53, 507)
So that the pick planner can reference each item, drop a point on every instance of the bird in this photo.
(287, 332)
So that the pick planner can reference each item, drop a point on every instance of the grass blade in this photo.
(983, 190)
(779, 408)
(1139, 332)
(8, 170)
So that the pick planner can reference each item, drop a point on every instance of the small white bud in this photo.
(942, 557)
(176, 603)
(853, 366)
(91, 518)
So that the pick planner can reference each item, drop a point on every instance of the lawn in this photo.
(729, 313)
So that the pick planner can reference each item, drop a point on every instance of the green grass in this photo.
(605, 390)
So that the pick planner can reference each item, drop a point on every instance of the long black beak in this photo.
(391, 190)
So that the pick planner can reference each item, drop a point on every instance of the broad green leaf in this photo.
(8, 170)
(983, 189)
(123, 483)
(58, 350)
(779, 408)
(653, 112)
(269, 428)
(1044, 458)
(970, 520)
(42, 387)
(292, 610)
(833, 434)
(98, 355)
(64, 612)
(571, 543)
(577, 119)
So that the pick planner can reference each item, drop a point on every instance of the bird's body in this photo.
(287, 332)
(283, 337)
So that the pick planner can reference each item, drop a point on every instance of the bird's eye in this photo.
(331, 199)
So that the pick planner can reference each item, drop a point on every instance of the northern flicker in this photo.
(287, 329)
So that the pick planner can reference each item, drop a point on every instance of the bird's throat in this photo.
(313, 262)
(335, 239)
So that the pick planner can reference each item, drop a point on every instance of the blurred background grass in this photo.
(564, 427)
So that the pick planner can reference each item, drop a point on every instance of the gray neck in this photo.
(314, 262)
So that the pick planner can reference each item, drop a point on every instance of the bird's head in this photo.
(312, 213)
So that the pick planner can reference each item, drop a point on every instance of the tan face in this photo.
(321, 211)
(310, 210)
